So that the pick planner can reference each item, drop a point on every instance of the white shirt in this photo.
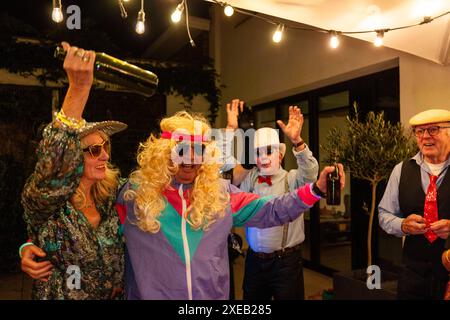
(270, 239)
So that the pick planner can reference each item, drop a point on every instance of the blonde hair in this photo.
(100, 190)
(156, 171)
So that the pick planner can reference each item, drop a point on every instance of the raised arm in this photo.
(226, 142)
(60, 159)
(307, 166)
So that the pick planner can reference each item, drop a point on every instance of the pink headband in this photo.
(183, 137)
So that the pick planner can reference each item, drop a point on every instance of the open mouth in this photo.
(187, 167)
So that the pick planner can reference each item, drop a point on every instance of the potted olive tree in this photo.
(369, 150)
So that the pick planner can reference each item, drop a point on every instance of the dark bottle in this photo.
(117, 72)
(334, 187)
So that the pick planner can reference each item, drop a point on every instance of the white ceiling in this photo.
(430, 41)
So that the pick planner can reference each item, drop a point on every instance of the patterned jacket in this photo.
(69, 240)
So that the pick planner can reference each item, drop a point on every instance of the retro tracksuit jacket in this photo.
(181, 263)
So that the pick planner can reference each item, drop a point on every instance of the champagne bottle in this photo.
(114, 71)
(334, 187)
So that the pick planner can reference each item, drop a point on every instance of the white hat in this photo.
(430, 116)
(268, 137)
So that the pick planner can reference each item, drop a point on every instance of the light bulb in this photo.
(140, 25)
(228, 10)
(378, 42)
(176, 15)
(334, 40)
(278, 34)
(57, 15)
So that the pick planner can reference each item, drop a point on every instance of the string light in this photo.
(378, 42)
(228, 10)
(123, 12)
(57, 14)
(140, 24)
(176, 15)
(334, 39)
(278, 34)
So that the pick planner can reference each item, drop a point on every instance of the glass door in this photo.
(335, 221)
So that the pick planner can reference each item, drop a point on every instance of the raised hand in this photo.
(233, 113)
(79, 66)
(293, 129)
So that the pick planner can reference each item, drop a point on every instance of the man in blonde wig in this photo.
(180, 212)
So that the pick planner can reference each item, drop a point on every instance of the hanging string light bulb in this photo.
(228, 10)
(57, 14)
(378, 42)
(278, 34)
(123, 11)
(334, 39)
(176, 15)
(140, 24)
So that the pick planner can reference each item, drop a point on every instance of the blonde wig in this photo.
(100, 190)
(156, 171)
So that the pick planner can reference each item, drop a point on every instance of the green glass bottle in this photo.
(117, 72)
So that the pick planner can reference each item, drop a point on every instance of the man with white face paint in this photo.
(273, 267)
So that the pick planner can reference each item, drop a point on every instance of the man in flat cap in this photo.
(416, 204)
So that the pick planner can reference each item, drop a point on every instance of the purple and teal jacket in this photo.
(181, 263)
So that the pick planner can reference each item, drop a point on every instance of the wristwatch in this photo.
(298, 144)
(317, 191)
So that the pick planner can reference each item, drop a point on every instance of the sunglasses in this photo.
(266, 151)
(432, 131)
(199, 149)
(96, 149)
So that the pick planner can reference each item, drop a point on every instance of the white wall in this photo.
(257, 70)
(423, 85)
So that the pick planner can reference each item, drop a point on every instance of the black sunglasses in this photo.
(95, 150)
(199, 149)
(266, 150)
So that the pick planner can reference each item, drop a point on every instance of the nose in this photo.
(104, 155)
(426, 134)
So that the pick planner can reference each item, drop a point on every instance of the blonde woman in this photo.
(180, 212)
(69, 200)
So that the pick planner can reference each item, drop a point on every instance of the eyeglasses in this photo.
(432, 131)
(96, 149)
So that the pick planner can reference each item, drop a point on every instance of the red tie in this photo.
(262, 179)
(430, 212)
